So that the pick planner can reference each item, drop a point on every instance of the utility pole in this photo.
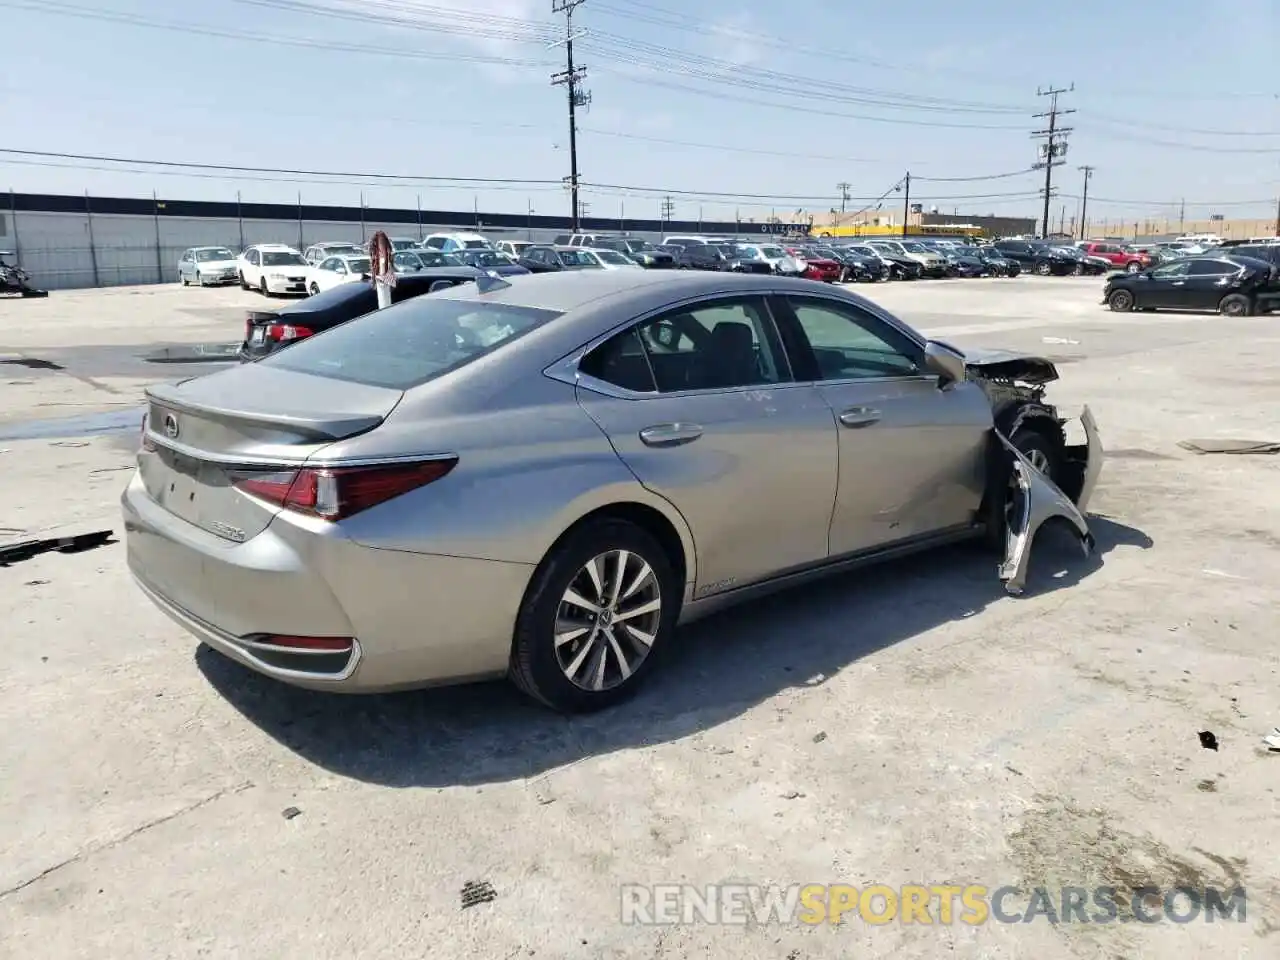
(1182, 216)
(571, 78)
(1278, 218)
(844, 196)
(906, 201)
(667, 209)
(1054, 147)
(1084, 201)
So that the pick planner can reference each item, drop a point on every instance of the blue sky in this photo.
(732, 107)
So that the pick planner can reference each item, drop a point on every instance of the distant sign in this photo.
(1216, 217)
(784, 228)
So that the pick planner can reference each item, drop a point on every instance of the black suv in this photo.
(641, 251)
(1037, 256)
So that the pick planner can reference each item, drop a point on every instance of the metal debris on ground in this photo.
(1272, 740)
(477, 892)
(792, 795)
(1208, 740)
(1058, 340)
(819, 737)
(26, 549)
(1230, 446)
(290, 812)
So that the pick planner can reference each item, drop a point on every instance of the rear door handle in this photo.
(670, 434)
(859, 417)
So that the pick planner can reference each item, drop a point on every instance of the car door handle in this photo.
(670, 434)
(859, 417)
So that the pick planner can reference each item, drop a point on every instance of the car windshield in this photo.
(403, 244)
(487, 258)
(723, 250)
(214, 253)
(359, 264)
(437, 258)
(476, 244)
(612, 256)
(773, 253)
(276, 258)
(748, 253)
(410, 343)
(639, 246)
(916, 248)
(577, 258)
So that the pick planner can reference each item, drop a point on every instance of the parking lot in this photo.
(908, 724)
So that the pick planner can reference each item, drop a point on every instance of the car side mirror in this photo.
(945, 361)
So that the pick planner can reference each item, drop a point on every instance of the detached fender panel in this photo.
(1039, 499)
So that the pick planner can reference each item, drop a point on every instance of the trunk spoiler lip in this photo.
(311, 427)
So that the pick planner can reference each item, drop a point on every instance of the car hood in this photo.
(217, 264)
(994, 364)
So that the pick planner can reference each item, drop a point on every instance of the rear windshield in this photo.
(410, 343)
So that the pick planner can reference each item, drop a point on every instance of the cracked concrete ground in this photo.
(909, 724)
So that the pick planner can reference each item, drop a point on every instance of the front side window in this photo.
(1172, 270)
(436, 243)
(719, 346)
(851, 344)
(330, 264)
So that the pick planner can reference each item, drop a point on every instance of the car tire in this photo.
(553, 673)
(1044, 268)
(262, 287)
(1078, 270)
(243, 284)
(1121, 301)
(313, 289)
(199, 279)
(1236, 305)
(1134, 267)
(183, 278)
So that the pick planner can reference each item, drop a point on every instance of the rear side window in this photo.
(410, 343)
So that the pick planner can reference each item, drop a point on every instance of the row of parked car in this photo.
(1236, 279)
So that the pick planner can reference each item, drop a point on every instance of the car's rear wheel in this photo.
(1078, 270)
(1121, 301)
(1044, 268)
(1134, 267)
(183, 278)
(243, 284)
(262, 287)
(596, 615)
(1236, 305)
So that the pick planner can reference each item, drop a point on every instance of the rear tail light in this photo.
(335, 493)
(145, 441)
(284, 332)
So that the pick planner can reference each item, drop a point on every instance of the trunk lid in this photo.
(206, 434)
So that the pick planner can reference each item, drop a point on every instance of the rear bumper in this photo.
(407, 612)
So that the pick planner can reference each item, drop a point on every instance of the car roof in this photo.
(571, 290)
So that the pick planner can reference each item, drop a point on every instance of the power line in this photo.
(112, 16)
(1055, 145)
(646, 12)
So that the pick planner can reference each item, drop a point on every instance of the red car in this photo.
(816, 268)
(1118, 256)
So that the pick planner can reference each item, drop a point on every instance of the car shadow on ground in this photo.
(718, 668)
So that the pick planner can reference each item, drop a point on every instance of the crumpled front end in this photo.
(1036, 499)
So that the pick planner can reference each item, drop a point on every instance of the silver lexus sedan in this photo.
(542, 476)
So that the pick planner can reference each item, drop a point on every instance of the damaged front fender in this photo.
(1038, 499)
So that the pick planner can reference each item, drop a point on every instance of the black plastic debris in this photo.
(1208, 740)
(26, 549)
(32, 363)
(474, 892)
(290, 812)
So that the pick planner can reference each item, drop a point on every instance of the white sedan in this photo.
(611, 259)
(335, 271)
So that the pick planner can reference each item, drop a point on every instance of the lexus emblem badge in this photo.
(171, 426)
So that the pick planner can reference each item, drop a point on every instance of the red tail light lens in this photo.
(284, 332)
(335, 493)
(316, 644)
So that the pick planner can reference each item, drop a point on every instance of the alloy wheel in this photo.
(607, 620)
